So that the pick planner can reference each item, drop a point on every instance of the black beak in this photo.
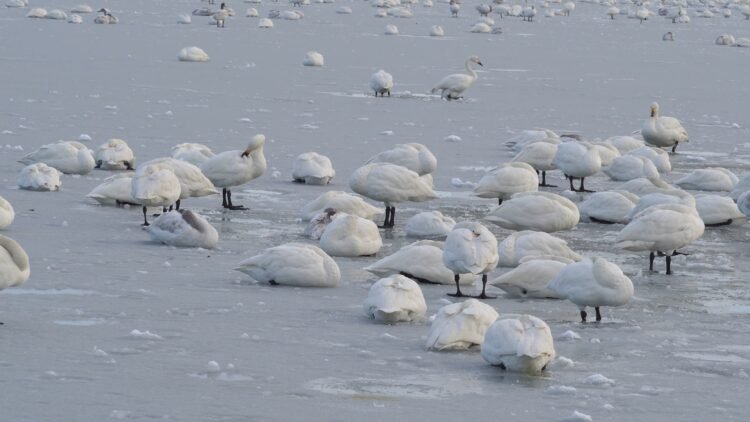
(480, 64)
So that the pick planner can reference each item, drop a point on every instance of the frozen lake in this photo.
(112, 326)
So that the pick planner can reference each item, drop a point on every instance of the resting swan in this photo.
(115, 190)
(540, 211)
(7, 214)
(115, 155)
(421, 261)
(341, 202)
(70, 157)
(349, 235)
(578, 160)
(429, 224)
(183, 228)
(459, 326)
(414, 156)
(452, 86)
(39, 177)
(293, 264)
(14, 264)
(312, 168)
(507, 179)
(155, 186)
(395, 299)
(522, 344)
(530, 279)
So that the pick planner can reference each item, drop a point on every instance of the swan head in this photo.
(654, 109)
(475, 59)
(223, 5)
(104, 10)
(257, 142)
(330, 212)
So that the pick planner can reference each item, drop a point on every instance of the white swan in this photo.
(452, 86)
(293, 264)
(193, 183)
(480, 28)
(519, 245)
(313, 59)
(663, 131)
(37, 13)
(593, 282)
(528, 13)
(106, 18)
(82, 8)
(454, 8)
(39, 177)
(437, 31)
(349, 235)
(7, 214)
(391, 29)
(470, 248)
(743, 203)
(541, 156)
(610, 207)
(643, 186)
(530, 279)
(669, 196)
(235, 168)
(484, 9)
(56, 14)
(661, 229)
(16, 3)
(523, 344)
(390, 184)
(70, 157)
(507, 179)
(381, 82)
(625, 144)
(193, 54)
(709, 179)
(613, 11)
(195, 154)
(539, 211)
(429, 224)
(659, 158)
(629, 167)
(183, 228)
(528, 136)
(416, 157)
(312, 168)
(115, 190)
(717, 210)
(395, 299)
(265, 23)
(341, 202)
(76, 19)
(459, 326)
(14, 264)
(115, 154)
(577, 160)
(607, 152)
(317, 225)
(221, 15)
(741, 186)
(155, 186)
(421, 261)
(725, 39)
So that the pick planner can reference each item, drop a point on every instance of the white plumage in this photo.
(539, 211)
(610, 207)
(39, 177)
(523, 344)
(235, 168)
(340, 201)
(507, 179)
(183, 228)
(625, 144)
(193, 54)
(115, 154)
(658, 157)
(381, 82)
(429, 224)
(14, 263)
(470, 248)
(312, 168)
(313, 59)
(459, 326)
(577, 160)
(629, 167)
(452, 86)
(414, 156)
(662, 131)
(643, 186)
(70, 157)
(709, 179)
(395, 299)
(421, 261)
(717, 210)
(193, 183)
(530, 279)
(155, 186)
(7, 214)
(115, 190)
(519, 245)
(540, 155)
(350, 235)
(195, 154)
(293, 264)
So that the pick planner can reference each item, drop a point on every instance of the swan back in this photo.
(395, 299)
(460, 325)
(506, 180)
(39, 177)
(414, 156)
(155, 186)
(530, 279)
(522, 344)
(115, 154)
(470, 248)
(540, 211)
(429, 224)
(14, 263)
(342, 202)
(293, 264)
(349, 235)
(514, 248)
(390, 183)
(193, 153)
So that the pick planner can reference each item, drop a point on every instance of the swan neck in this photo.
(470, 70)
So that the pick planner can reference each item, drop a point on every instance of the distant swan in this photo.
(183, 228)
(459, 326)
(395, 299)
(421, 261)
(663, 131)
(381, 82)
(452, 86)
(14, 264)
(235, 168)
(106, 17)
(341, 202)
(522, 344)
(293, 264)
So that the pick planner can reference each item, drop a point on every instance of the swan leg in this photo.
(570, 179)
(458, 288)
(176, 205)
(145, 220)
(229, 202)
(224, 197)
(669, 264)
(98, 164)
(129, 166)
(484, 286)
(651, 257)
(598, 315)
(583, 315)
(387, 217)
(499, 201)
(393, 217)
(544, 181)
(674, 147)
(582, 189)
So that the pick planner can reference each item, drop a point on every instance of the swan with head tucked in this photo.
(452, 86)
(629, 167)
(643, 186)
(607, 152)
(349, 235)
(70, 157)
(593, 282)
(578, 160)
(235, 168)
(519, 246)
(317, 225)
(312, 168)
(193, 183)
(659, 158)
(414, 156)
(610, 207)
(14, 264)
(530, 279)
(670, 196)
(709, 179)
(390, 184)
(540, 211)
(743, 203)
(381, 82)
(661, 230)
(155, 186)
(115, 190)
(625, 144)
(39, 177)
(183, 228)
(454, 8)
(293, 264)
(429, 224)
(7, 214)
(115, 154)
(459, 326)
(717, 210)
(507, 179)
(662, 131)
(529, 136)
(470, 248)
(395, 299)
(522, 344)
(421, 261)
(195, 154)
(341, 202)
(541, 156)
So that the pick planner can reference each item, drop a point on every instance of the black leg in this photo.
(669, 264)
(571, 183)
(145, 220)
(129, 165)
(393, 217)
(177, 205)
(674, 147)
(582, 189)
(583, 316)
(499, 201)
(458, 288)
(544, 181)
(484, 286)
(651, 257)
(387, 217)
(598, 315)
(229, 202)
(224, 198)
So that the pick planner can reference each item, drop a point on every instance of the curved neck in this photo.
(19, 256)
(469, 69)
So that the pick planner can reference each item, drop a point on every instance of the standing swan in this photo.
(663, 131)
(470, 248)
(453, 85)
(235, 168)
(14, 264)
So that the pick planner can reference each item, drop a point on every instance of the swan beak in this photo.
(480, 63)
(245, 154)
(653, 112)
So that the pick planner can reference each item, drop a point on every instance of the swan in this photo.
(610, 207)
(395, 299)
(607, 153)
(265, 23)
(184, 19)
(670, 196)
(454, 8)
(381, 83)
(82, 8)
(643, 186)
(390, 184)
(193, 183)
(717, 210)
(459, 326)
(429, 224)
(541, 156)
(725, 39)
(70, 157)
(312, 168)
(629, 167)
(658, 157)
(37, 13)
(528, 136)
(484, 9)
(507, 179)
(709, 179)
(106, 17)
(235, 168)
(291, 15)
(470, 248)
(391, 29)
(193, 54)
(593, 282)
(183, 228)
(414, 156)
(115, 154)
(523, 344)
(340, 201)
(661, 229)
(427, 3)
(480, 28)
(14, 264)
(669, 36)
(663, 131)
(39, 177)
(115, 190)
(293, 264)
(221, 15)
(16, 3)
(625, 144)
(540, 211)
(7, 214)
(77, 19)
(452, 86)
(741, 186)
(155, 186)
(349, 235)
(528, 13)
(520, 245)
(437, 31)
(577, 160)
(317, 225)
(421, 261)
(642, 14)
(568, 7)
(613, 11)
(530, 279)
(743, 203)
(314, 59)
(56, 14)
(252, 13)
(203, 11)
(195, 154)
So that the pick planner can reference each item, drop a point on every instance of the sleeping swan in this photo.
(293, 264)
(14, 264)
(395, 299)
(183, 228)
(421, 261)
(522, 344)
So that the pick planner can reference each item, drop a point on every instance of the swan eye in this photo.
(524, 292)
